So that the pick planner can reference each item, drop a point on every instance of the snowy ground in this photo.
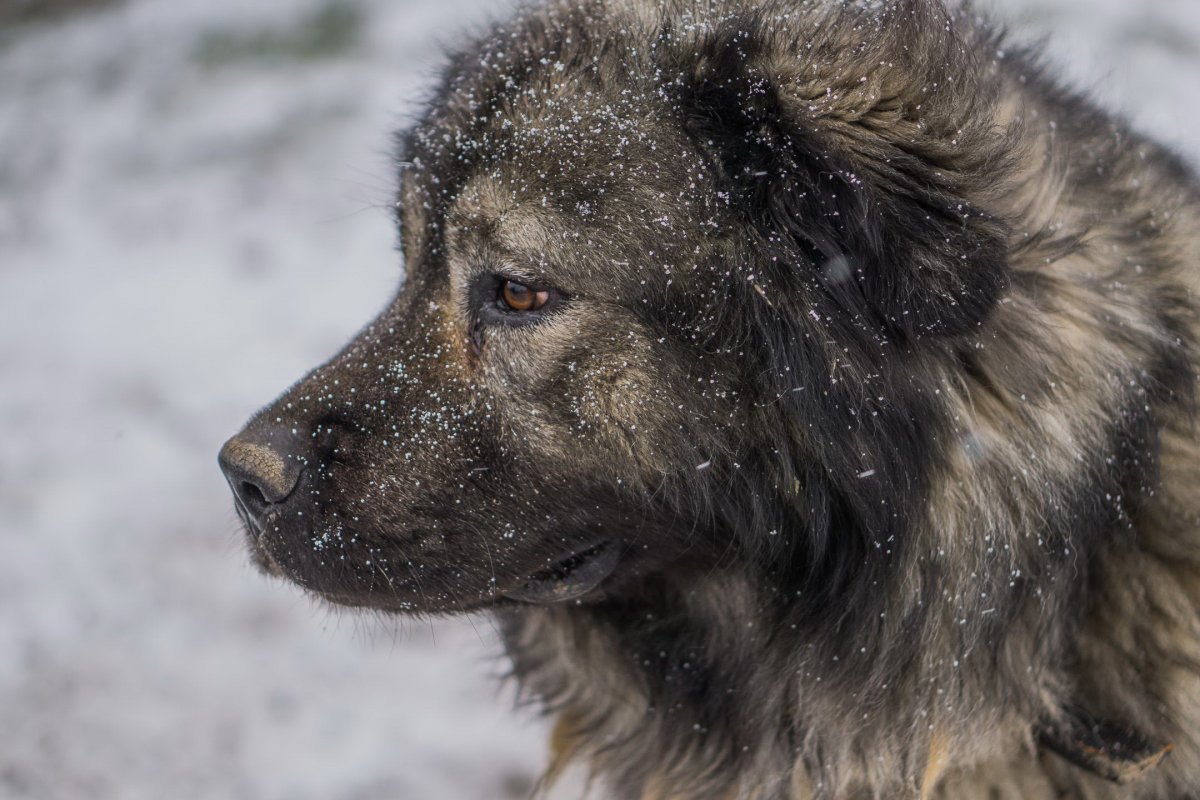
(193, 205)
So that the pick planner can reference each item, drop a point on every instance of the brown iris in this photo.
(519, 297)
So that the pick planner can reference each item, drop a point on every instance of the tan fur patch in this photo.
(565, 743)
(935, 765)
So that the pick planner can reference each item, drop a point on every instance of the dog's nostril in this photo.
(259, 473)
(248, 491)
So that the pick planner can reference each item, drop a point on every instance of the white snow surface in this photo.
(185, 227)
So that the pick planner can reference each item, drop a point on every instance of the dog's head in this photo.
(668, 282)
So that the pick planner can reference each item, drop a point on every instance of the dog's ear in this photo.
(871, 223)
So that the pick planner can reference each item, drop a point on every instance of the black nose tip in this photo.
(259, 473)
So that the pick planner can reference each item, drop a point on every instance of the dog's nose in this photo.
(260, 473)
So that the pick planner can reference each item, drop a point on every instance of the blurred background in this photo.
(194, 209)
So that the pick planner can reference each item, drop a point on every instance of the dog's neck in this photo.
(661, 680)
(703, 676)
(700, 685)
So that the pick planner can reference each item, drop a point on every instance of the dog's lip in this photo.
(570, 578)
(260, 553)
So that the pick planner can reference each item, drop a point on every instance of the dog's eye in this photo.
(519, 297)
(504, 301)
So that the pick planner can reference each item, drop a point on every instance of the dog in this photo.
(806, 387)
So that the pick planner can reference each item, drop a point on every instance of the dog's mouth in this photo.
(567, 579)
(259, 553)
(571, 578)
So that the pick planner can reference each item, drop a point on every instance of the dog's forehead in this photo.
(555, 152)
(487, 213)
(490, 224)
(564, 229)
(578, 139)
(548, 175)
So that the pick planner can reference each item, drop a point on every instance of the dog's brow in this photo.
(482, 216)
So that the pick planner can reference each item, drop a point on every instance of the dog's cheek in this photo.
(628, 402)
(600, 390)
